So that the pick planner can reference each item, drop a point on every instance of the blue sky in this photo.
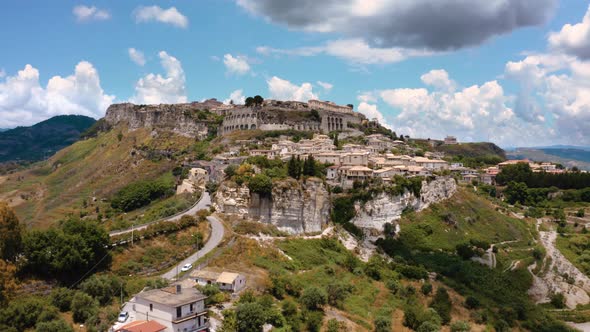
(509, 71)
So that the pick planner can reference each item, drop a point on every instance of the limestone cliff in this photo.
(190, 119)
(385, 208)
(293, 207)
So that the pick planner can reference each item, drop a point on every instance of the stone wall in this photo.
(178, 118)
(385, 208)
(294, 207)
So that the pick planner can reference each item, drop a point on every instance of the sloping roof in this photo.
(205, 274)
(142, 326)
(227, 277)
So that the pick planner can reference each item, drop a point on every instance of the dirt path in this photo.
(561, 276)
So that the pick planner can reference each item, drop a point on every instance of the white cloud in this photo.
(87, 14)
(236, 65)
(438, 78)
(355, 51)
(2, 73)
(157, 14)
(325, 85)
(237, 97)
(475, 113)
(23, 101)
(158, 89)
(136, 56)
(281, 89)
(371, 112)
(573, 39)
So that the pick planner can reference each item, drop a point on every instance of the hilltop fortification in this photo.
(197, 119)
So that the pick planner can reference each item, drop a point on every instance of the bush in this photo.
(61, 298)
(314, 320)
(382, 323)
(58, 325)
(442, 304)
(429, 326)
(426, 288)
(103, 288)
(334, 326)
(558, 300)
(250, 317)
(313, 298)
(260, 184)
(22, 313)
(460, 326)
(472, 303)
(141, 193)
(83, 307)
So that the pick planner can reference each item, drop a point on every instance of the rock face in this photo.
(384, 208)
(293, 207)
(182, 119)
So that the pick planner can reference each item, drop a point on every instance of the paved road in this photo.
(214, 240)
(203, 203)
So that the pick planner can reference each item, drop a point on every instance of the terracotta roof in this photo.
(142, 326)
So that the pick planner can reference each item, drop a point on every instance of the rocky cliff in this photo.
(190, 119)
(385, 208)
(293, 207)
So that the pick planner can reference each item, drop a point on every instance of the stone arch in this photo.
(253, 126)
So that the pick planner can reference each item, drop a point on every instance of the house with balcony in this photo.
(178, 309)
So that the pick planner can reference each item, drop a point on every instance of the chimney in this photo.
(178, 289)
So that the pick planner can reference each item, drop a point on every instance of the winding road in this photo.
(214, 240)
(203, 203)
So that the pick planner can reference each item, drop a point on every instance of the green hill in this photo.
(43, 139)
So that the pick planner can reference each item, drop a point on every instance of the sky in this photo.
(515, 72)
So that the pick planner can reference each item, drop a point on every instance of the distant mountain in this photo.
(569, 156)
(43, 139)
(3, 129)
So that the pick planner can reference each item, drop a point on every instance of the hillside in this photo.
(86, 174)
(42, 139)
(472, 150)
(567, 156)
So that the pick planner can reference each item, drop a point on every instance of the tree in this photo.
(258, 100)
(249, 101)
(558, 300)
(309, 167)
(520, 172)
(442, 304)
(460, 326)
(22, 313)
(250, 317)
(68, 251)
(8, 283)
(336, 142)
(230, 171)
(516, 192)
(426, 288)
(10, 233)
(471, 302)
(230, 321)
(293, 168)
(103, 288)
(83, 307)
(581, 213)
(465, 250)
(260, 184)
(335, 326)
(313, 298)
(389, 229)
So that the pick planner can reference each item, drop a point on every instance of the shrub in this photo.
(429, 326)
(426, 288)
(141, 193)
(471, 302)
(314, 320)
(61, 298)
(442, 304)
(313, 298)
(382, 323)
(22, 313)
(558, 300)
(102, 288)
(460, 326)
(58, 325)
(260, 184)
(334, 326)
(83, 307)
(250, 317)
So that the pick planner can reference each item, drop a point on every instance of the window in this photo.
(178, 312)
(151, 307)
(191, 307)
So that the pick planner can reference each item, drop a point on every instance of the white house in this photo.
(176, 308)
(229, 281)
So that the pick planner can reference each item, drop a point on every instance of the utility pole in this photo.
(132, 229)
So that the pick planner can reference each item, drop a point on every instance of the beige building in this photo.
(176, 308)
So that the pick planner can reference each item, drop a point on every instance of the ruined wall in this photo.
(178, 118)
(385, 208)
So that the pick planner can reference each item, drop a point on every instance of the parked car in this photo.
(186, 267)
(123, 316)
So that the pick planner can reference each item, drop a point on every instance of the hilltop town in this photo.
(223, 217)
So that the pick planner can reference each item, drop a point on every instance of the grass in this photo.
(93, 168)
(576, 248)
(466, 216)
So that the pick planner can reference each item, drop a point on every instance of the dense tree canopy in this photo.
(141, 193)
(522, 172)
(66, 252)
